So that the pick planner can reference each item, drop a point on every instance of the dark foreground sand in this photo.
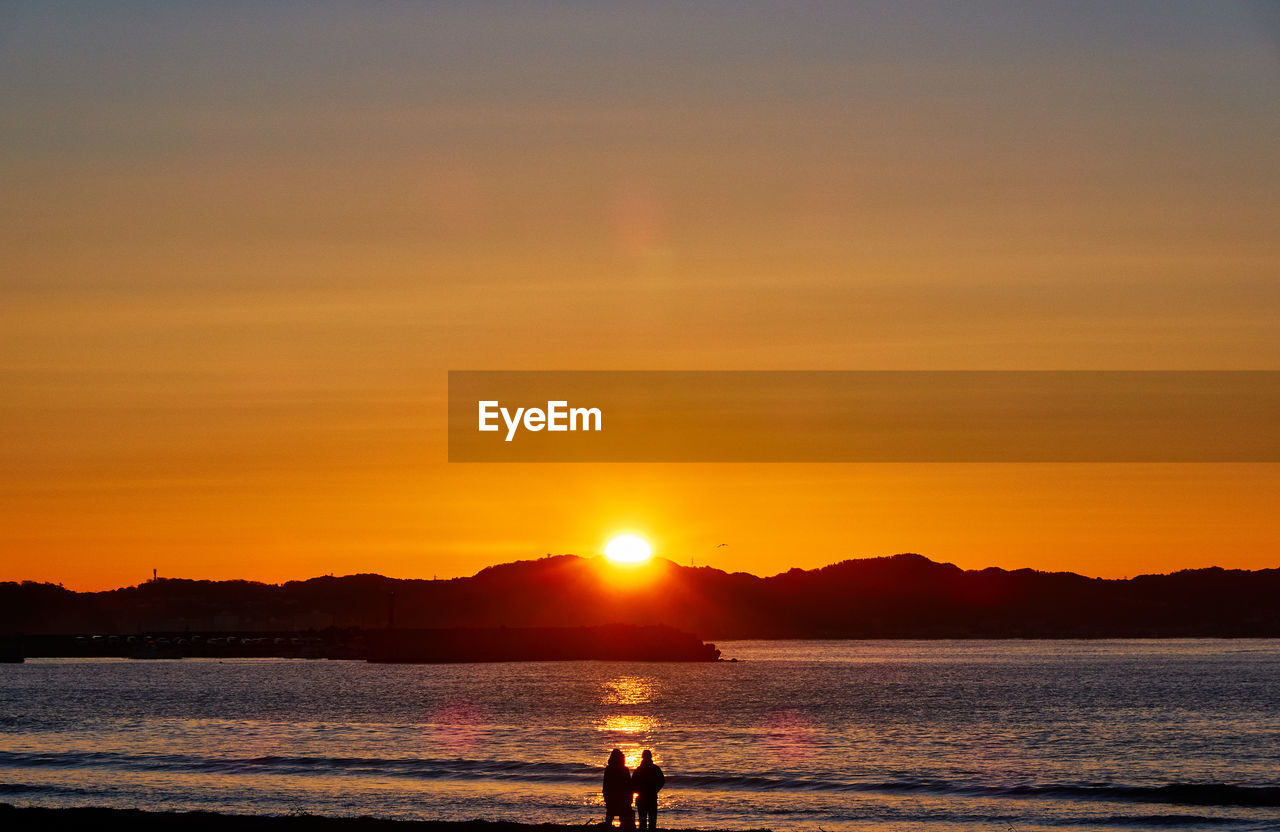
(99, 820)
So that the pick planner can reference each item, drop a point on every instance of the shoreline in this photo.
(96, 818)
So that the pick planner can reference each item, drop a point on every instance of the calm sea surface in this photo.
(894, 735)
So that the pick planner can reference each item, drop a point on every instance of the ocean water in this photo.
(887, 735)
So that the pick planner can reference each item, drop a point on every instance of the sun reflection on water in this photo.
(629, 690)
(627, 724)
(630, 732)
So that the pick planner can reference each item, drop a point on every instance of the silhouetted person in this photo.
(646, 782)
(617, 791)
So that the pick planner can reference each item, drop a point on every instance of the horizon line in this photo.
(548, 556)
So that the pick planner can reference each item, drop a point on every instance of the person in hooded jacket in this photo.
(646, 782)
(617, 791)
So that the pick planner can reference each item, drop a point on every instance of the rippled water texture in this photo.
(799, 735)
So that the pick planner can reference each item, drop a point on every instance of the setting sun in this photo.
(628, 548)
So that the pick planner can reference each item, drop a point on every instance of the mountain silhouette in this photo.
(902, 596)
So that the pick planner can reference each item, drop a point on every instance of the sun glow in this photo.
(628, 548)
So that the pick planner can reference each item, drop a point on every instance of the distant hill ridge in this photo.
(901, 596)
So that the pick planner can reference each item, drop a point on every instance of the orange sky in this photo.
(243, 246)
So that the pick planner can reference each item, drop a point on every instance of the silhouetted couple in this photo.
(621, 784)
